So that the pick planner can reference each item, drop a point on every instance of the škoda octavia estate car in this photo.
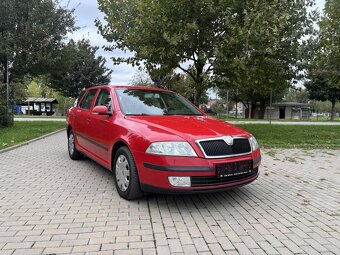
(154, 140)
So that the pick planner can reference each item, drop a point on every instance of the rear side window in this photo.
(78, 98)
(86, 102)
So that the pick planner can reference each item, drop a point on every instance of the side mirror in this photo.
(101, 110)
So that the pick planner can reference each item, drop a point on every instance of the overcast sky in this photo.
(86, 11)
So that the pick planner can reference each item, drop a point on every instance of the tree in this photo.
(33, 90)
(262, 55)
(294, 94)
(141, 78)
(31, 33)
(77, 67)
(249, 45)
(165, 35)
(320, 89)
(328, 53)
(324, 57)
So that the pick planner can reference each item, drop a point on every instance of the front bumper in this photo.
(154, 171)
(195, 190)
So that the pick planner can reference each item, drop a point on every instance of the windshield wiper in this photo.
(186, 114)
(137, 114)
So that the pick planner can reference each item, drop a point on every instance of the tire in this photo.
(72, 150)
(125, 174)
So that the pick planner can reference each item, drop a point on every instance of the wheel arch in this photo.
(69, 128)
(115, 148)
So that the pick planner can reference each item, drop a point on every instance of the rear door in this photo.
(83, 125)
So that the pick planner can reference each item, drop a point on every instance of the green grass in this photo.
(312, 119)
(268, 136)
(24, 131)
(295, 136)
(37, 116)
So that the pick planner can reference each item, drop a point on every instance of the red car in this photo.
(154, 140)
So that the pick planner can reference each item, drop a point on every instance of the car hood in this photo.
(190, 127)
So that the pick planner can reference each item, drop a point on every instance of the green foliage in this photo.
(320, 89)
(31, 34)
(298, 95)
(324, 106)
(263, 50)
(64, 103)
(33, 90)
(165, 35)
(324, 57)
(141, 78)
(77, 67)
(251, 46)
(327, 57)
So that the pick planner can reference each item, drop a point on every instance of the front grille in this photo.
(219, 148)
(197, 181)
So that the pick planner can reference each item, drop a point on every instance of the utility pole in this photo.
(270, 106)
(228, 103)
(7, 85)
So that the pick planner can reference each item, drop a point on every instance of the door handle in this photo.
(88, 120)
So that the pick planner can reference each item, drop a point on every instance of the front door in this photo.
(102, 128)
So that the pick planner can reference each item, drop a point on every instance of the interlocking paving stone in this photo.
(50, 204)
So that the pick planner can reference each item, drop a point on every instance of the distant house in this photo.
(38, 106)
(289, 111)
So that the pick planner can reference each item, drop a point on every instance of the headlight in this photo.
(172, 149)
(253, 143)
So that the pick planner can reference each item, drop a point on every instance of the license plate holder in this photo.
(234, 168)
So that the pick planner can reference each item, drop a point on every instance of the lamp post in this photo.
(7, 87)
(228, 103)
(270, 106)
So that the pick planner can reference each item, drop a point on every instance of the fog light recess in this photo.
(180, 181)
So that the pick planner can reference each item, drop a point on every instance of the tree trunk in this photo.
(262, 110)
(198, 95)
(4, 73)
(250, 110)
(333, 109)
(199, 87)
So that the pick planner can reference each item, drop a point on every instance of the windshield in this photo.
(150, 102)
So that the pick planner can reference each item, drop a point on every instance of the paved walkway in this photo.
(52, 205)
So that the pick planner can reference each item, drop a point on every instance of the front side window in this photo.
(104, 98)
(86, 102)
(150, 102)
